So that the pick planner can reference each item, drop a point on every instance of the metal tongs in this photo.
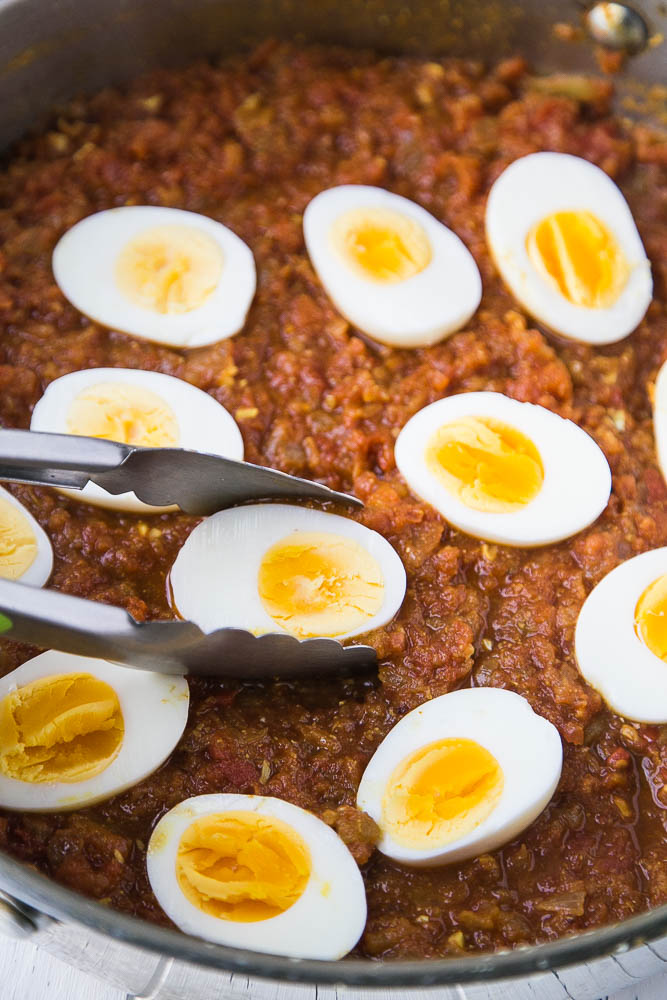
(199, 484)
(74, 625)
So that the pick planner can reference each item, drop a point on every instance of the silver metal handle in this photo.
(57, 459)
(47, 618)
(87, 628)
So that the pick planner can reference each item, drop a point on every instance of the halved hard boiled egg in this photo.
(25, 550)
(660, 418)
(460, 775)
(76, 730)
(255, 872)
(503, 470)
(279, 568)
(389, 266)
(621, 638)
(135, 407)
(174, 277)
(566, 245)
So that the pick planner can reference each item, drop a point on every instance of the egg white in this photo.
(204, 424)
(536, 186)
(325, 922)
(41, 568)
(526, 746)
(155, 711)
(570, 458)
(416, 312)
(214, 577)
(610, 654)
(84, 263)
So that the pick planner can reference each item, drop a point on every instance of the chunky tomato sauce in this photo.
(250, 142)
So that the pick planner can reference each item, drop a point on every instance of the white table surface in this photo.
(27, 973)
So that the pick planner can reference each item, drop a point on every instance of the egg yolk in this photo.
(381, 244)
(169, 269)
(126, 413)
(318, 584)
(488, 465)
(65, 728)
(441, 793)
(651, 617)
(578, 254)
(18, 544)
(242, 866)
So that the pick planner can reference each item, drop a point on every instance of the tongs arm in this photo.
(87, 628)
(57, 459)
(198, 483)
(74, 625)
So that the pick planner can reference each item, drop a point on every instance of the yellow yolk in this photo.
(242, 866)
(169, 269)
(381, 244)
(317, 584)
(441, 793)
(651, 617)
(18, 545)
(126, 413)
(65, 728)
(488, 465)
(578, 254)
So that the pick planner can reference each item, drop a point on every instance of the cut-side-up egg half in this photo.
(621, 638)
(564, 240)
(255, 872)
(25, 550)
(389, 266)
(76, 730)
(460, 775)
(280, 568)
(139, 408)
(660, 418)
(502, 470)
(174, 277)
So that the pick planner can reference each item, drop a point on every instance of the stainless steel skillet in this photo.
(49, 53)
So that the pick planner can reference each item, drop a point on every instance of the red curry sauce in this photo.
(249, 142)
